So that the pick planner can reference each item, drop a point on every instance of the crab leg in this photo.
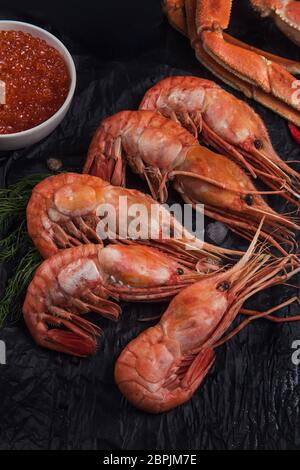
(176, 13)
(290, 65)
(285, 13)
(268, 81)
(220, 71)
(255, 69)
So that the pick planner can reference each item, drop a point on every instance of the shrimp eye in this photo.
(258, 144)
(249, 199)
(180, 271)
(223, 286)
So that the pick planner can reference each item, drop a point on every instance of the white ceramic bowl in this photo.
(31, 136)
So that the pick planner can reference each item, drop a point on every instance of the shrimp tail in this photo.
(78, 336)
(70, 343)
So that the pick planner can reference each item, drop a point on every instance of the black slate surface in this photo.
(250, 399)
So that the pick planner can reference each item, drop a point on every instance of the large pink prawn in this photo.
(159, 149)
(63, 212)
(226, 123)
(164, 365)
(79, 280)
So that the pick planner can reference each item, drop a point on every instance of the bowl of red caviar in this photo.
(37, 84)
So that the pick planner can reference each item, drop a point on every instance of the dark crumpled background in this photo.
(250, 399)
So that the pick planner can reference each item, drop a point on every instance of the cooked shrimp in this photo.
(226, 123)
(163, 367)
(83, 279)
(64, 211)
(159, 149)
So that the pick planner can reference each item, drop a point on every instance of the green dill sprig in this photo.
(11, 302)
(14, 199)
(16, 247)
(14, 242)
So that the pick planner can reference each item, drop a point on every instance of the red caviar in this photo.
(35, 81)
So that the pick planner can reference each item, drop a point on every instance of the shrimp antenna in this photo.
(236, 270)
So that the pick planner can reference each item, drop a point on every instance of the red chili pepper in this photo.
(295, 131)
